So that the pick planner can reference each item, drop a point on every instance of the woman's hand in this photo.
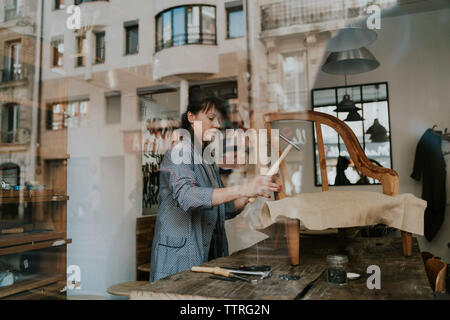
(260, 186)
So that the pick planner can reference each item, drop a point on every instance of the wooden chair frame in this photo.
(387, 177)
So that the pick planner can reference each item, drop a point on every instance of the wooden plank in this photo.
(33, 246)
(402, 278)
(22, 238)
(27, 193)
(26, 285)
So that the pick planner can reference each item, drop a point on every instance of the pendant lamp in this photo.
(377, 132)
(348, 105)
(350, 62)
(351, 38)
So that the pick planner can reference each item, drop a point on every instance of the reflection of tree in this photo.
(150, 173)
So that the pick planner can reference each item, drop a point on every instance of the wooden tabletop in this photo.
(401, 277)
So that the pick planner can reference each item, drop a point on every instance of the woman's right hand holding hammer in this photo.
(261, 186)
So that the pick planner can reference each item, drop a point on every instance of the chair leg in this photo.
(293, 240)
(407, 243)
(278, 236)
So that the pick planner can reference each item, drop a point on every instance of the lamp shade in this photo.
(353, 116)
(350, 62)
(346, 105)
(377, 132)
(350, 39)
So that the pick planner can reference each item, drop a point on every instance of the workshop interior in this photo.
(344, 105)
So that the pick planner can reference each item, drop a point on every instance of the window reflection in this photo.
(372, 131)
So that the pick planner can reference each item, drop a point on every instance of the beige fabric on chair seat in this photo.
(340, 209)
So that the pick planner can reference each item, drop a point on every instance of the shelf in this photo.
(34, 246)
(28, 237)
(20, 196)
(50, 157)
(26, 285)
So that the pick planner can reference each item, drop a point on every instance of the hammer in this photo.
(274, 168)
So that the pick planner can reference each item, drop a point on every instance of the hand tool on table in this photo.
(274, 168)
(253, 268)
(261, 271)
(222, 278)
(222, 272)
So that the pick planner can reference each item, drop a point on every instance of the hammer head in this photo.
(296, 146)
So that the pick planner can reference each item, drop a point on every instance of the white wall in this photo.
(414, 52)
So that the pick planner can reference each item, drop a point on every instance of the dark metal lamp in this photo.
(377, 132)
(350, 62)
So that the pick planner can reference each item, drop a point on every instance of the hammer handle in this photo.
(274, 168)
(11, 231)
(217, 271)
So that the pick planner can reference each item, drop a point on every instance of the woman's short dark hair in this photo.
(202, 105)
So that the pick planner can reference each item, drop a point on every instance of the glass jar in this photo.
(337, 269)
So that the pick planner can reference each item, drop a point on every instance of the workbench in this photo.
(401, 277)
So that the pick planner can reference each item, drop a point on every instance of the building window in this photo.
(11, 9)
(368, 119)
(81, 51)
(73, 114)
(10, 122)
(131, 37)
(186, 25)
(100, 52)
(235, 20)
(12, 64)
(113, 108)
(59, 4)
(295, 82)
(57, 53)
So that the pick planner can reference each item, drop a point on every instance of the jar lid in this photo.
(337, 258)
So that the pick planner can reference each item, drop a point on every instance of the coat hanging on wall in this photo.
(429, 165)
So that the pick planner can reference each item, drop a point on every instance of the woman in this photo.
(193, 203)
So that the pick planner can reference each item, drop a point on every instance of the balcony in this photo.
(94, 12)
(196, 60)
(294, 16)
(17, 73)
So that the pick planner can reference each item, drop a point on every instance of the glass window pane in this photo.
(167, 28)
(159, 30)
(208, 24)
(236, 24)
(113, 106)
(179, 22)
(353, 92)
(133, 39)
(100, 47)
(324, 97)
(193, 24)
(375, 92)
(72, 115)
